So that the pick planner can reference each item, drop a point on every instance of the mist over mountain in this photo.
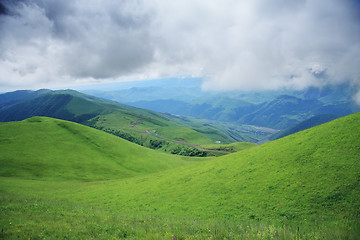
(279, 109)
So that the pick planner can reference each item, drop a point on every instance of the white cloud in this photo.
(41, 46)
(247, 44)
(257, 44)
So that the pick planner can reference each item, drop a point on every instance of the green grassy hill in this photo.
(308, 123)
(52, 149)
(134, 124)
(312, 173)
(303, 186)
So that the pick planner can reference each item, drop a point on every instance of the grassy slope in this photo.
(45, 148)
(301, 175)
(77, 107)
(166, 128)
(309, 180)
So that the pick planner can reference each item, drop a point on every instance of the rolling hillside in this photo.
(303, 186)
(137, 125)
(298, 176)
(11, 98)
(51, 149)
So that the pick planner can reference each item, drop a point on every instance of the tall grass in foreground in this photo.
(32, 218)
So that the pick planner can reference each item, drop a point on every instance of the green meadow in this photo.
(50, 149)
(165, 132)
(62, 180)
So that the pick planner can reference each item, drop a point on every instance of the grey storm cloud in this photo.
(45, 41)
(248, 44)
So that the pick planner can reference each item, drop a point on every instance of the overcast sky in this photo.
(232, 44)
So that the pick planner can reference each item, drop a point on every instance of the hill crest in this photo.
(47, 148)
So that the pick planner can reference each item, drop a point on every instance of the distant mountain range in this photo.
(273, 109)
(231, 117)
(166, 132)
